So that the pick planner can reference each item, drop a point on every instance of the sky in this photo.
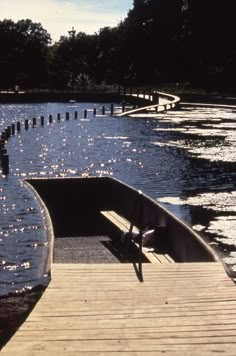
(59, 16)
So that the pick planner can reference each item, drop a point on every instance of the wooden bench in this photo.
(124, 225)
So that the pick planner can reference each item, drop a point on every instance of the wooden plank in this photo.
(124, 225)
(153, 256)
(170, 260)
(96, 306)
(102, 316)
(105, 309)
(113, 334)
(202, 345)
(98, 311)
(122, 353)
(89, 334)
(119, 221)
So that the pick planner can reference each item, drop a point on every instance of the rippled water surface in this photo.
(185, 159)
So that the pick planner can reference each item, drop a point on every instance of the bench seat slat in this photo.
(124, 225)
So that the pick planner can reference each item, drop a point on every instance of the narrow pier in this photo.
(164, 102)
(104, 309)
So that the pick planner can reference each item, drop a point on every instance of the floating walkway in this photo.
(159, 102)
(103, 309)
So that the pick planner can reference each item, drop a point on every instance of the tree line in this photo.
(159, 41)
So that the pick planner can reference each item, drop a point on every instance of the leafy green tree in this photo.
(72, 61)
(151, 32)
(107, 61)
(8, 37)
(212, 49)
(24, 51)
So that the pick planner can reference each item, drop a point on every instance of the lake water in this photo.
(185, 159)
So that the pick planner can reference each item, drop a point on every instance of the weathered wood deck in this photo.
(103, 309)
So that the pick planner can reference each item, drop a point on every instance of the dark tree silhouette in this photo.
(210, 24)
(23, 56)
(158, 41)
(72, 61)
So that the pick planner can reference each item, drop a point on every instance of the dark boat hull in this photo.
(75, 205)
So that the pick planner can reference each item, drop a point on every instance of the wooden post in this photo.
(50, 119)
(26, 124)
(13, 129)
(156, 98)
(150, 96)
(18, 126)
(5, 163)
(112, 109)
(85, 113)
(3, 151)
(76, 115)
(2, 144)
(34, 121)
(103, 110)
(42, 120)
(8, 131)
(67, 116)
(94, 111)
(123, 106)
(4, 136)
(58, 117)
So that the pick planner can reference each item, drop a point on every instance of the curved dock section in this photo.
(159, 102)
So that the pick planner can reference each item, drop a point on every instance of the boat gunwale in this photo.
(30, 182)
(48, 225)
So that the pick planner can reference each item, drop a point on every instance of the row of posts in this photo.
(16, 127)
(10, 130)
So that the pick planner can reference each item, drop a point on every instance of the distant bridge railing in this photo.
(158, 102)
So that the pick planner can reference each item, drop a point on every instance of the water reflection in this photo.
(185, 159)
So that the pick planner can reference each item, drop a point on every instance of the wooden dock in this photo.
(104, 309)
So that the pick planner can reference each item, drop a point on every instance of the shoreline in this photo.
(102, 97)
(14, 310)
(67, 96)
